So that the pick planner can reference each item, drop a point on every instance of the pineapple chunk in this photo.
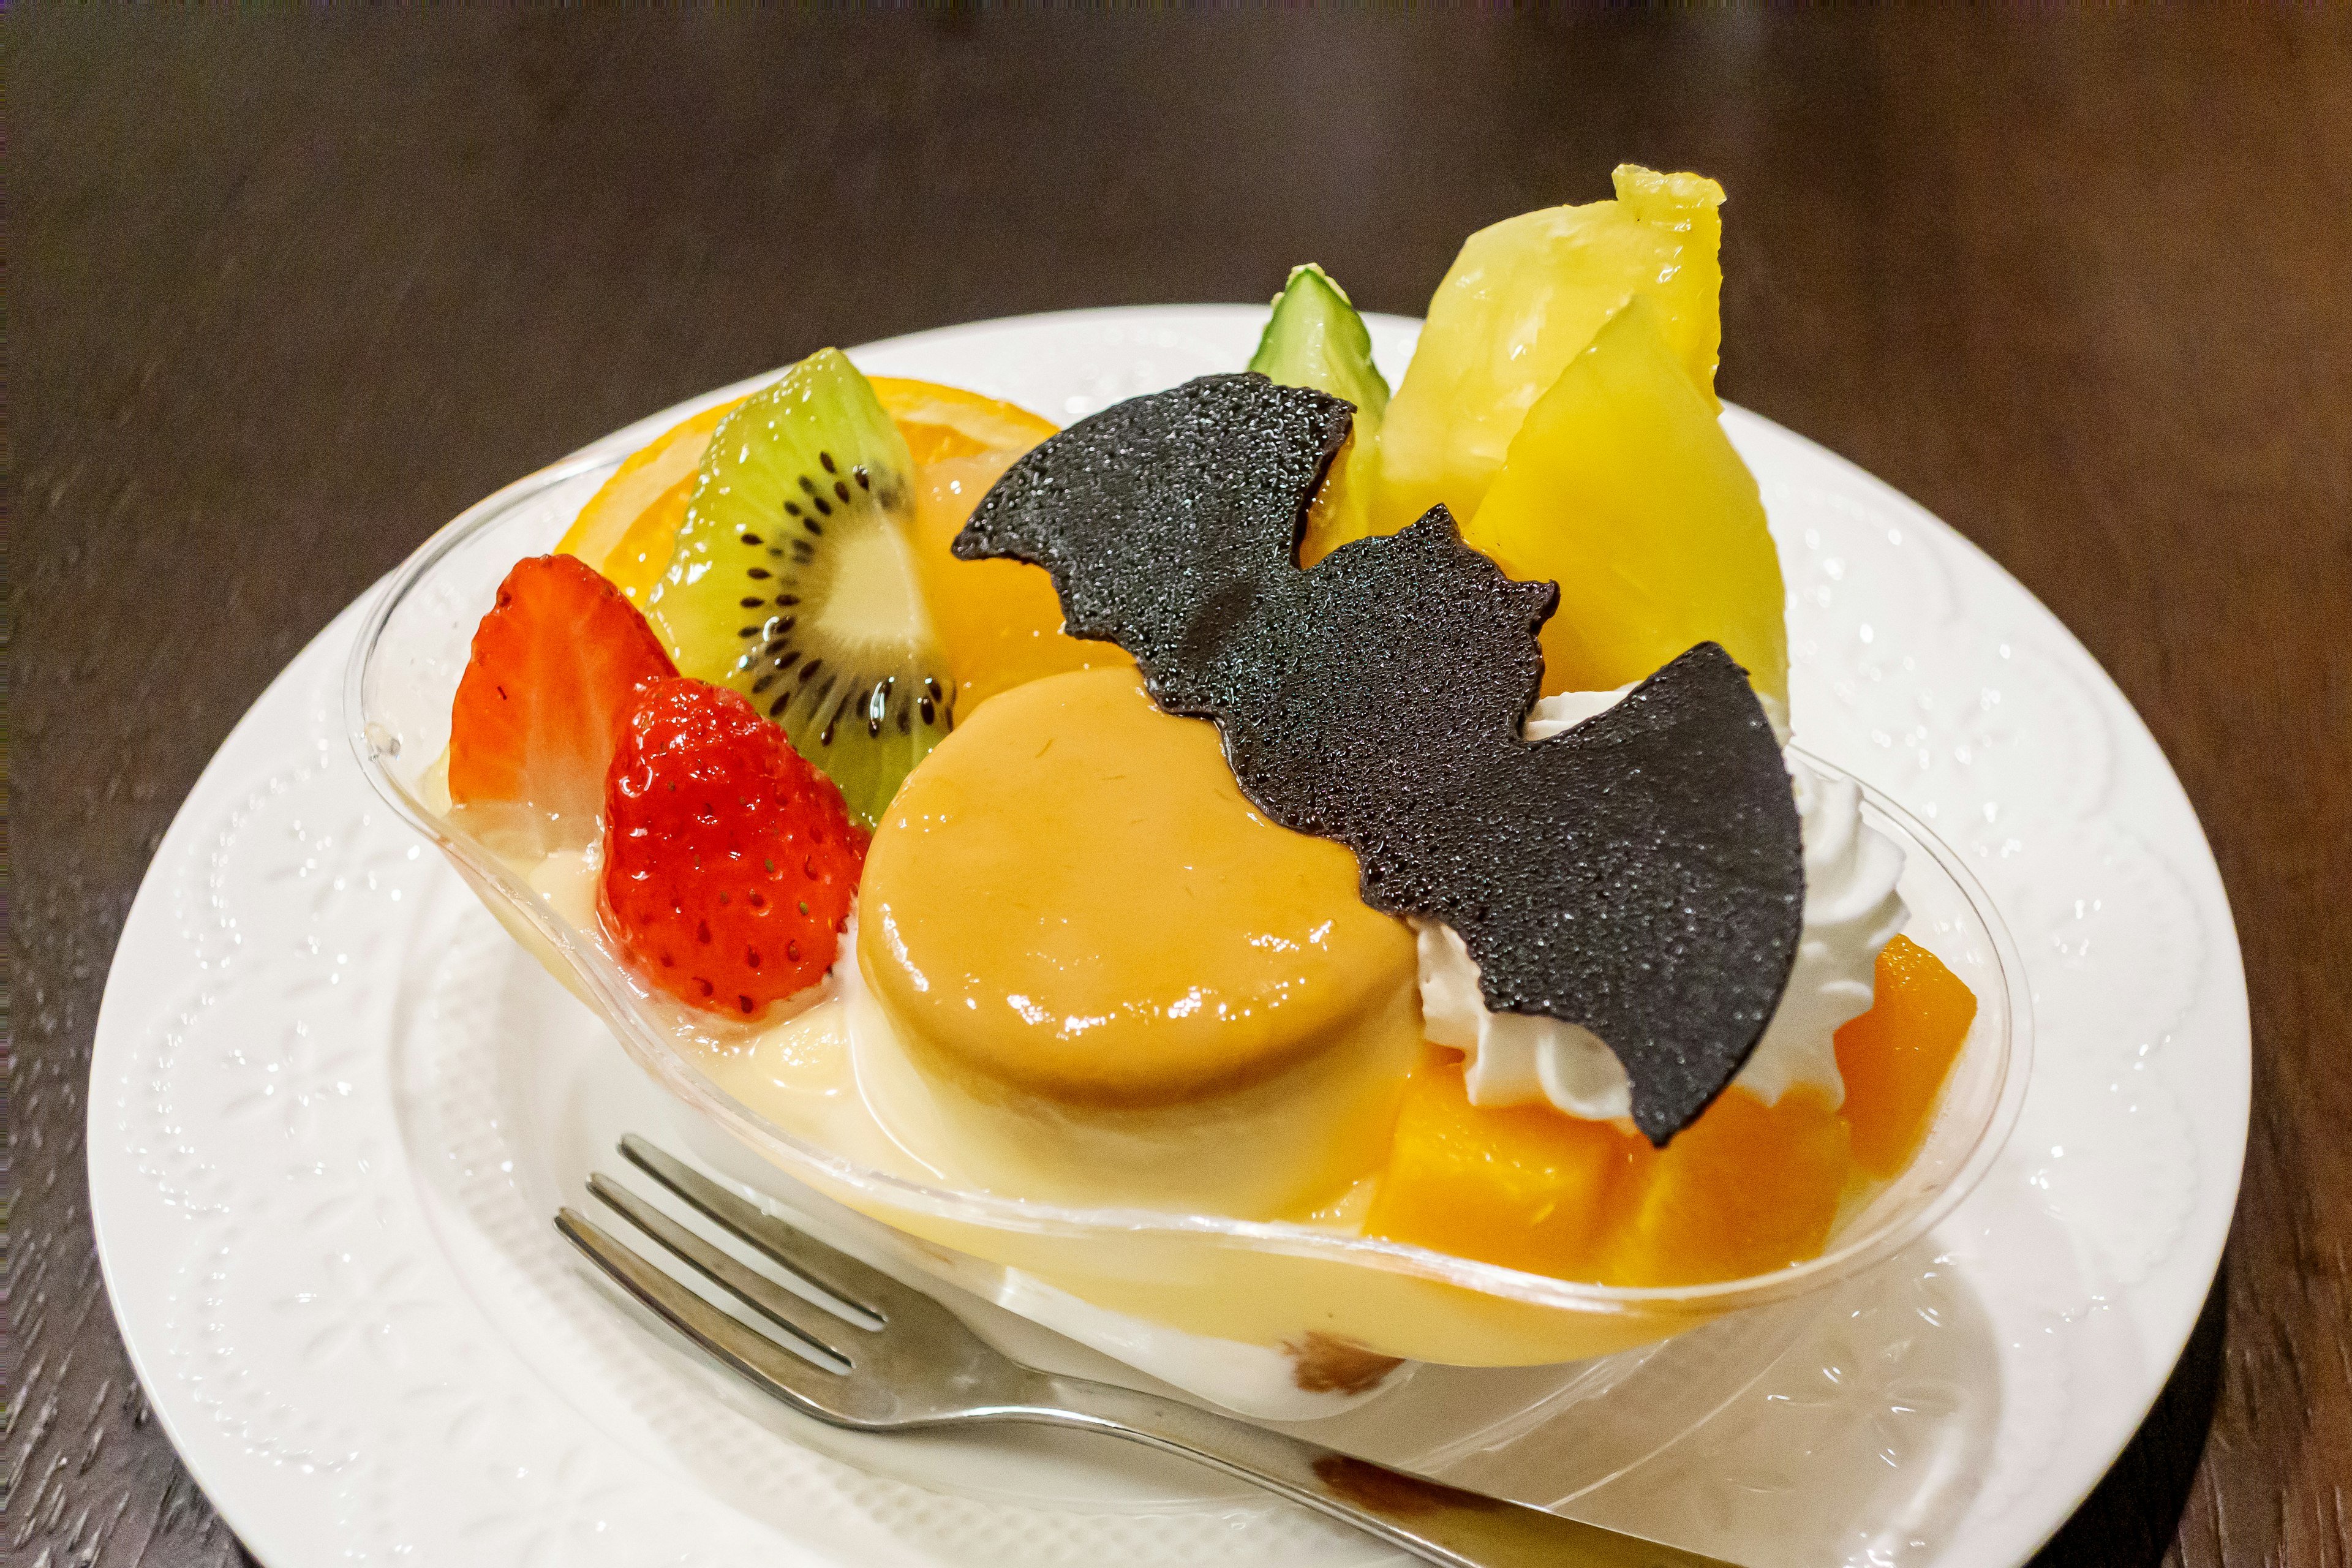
(1521, 300)
(1622, 488)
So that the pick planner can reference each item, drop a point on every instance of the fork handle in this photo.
(1432, 1520)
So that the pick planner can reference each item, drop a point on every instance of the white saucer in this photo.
(332, 1109)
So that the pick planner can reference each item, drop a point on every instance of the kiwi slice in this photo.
(1316, 339)
(792, 580)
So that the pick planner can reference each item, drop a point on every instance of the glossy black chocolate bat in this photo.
(1640, 875)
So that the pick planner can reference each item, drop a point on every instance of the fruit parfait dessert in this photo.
(1277, 879)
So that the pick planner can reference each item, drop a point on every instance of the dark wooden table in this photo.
(284, 294)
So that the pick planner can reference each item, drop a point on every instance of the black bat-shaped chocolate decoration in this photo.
(1640, 875)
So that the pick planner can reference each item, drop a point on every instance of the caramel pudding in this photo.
(1071, 921)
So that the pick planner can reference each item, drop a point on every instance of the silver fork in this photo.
(912, 1365)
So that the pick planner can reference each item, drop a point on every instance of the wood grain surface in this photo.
(285, 293)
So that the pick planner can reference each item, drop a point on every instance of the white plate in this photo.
(332, 1109)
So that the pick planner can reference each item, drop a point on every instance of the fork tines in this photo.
(827, 1344)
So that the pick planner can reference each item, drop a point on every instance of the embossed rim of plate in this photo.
(1870, 1239)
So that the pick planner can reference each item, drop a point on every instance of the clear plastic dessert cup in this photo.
(1258, 1283)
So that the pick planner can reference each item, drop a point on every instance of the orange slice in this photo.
(626, 529)
(999, 622)
(949, 422)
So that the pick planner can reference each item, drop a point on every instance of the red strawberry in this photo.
(729, 862)
(557, 665)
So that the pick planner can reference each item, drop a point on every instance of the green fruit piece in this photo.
(1316, 339)
(793, 582)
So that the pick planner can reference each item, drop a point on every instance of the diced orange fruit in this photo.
(1523, 1186)
(1896, 1056)
(1522, 300)
(1622, 488)
(627, 527)
(1747, 1188)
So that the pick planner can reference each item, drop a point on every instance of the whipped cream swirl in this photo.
(1852, 911)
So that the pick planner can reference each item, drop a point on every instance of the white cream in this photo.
(1852, 911)
(1259, 1381)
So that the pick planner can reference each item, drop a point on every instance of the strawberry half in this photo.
(729, 862)
(557, 665)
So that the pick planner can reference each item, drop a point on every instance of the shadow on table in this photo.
(2133, 1515)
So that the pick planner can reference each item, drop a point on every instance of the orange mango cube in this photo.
(1523, 1186)
(1747, 1188)
(1896, 1056)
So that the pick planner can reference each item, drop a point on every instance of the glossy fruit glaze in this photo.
(1622, 488)
(1896, 1056)
(1523, 299)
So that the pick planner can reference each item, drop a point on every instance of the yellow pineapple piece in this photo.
(1521, 300)
(1622, 488)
